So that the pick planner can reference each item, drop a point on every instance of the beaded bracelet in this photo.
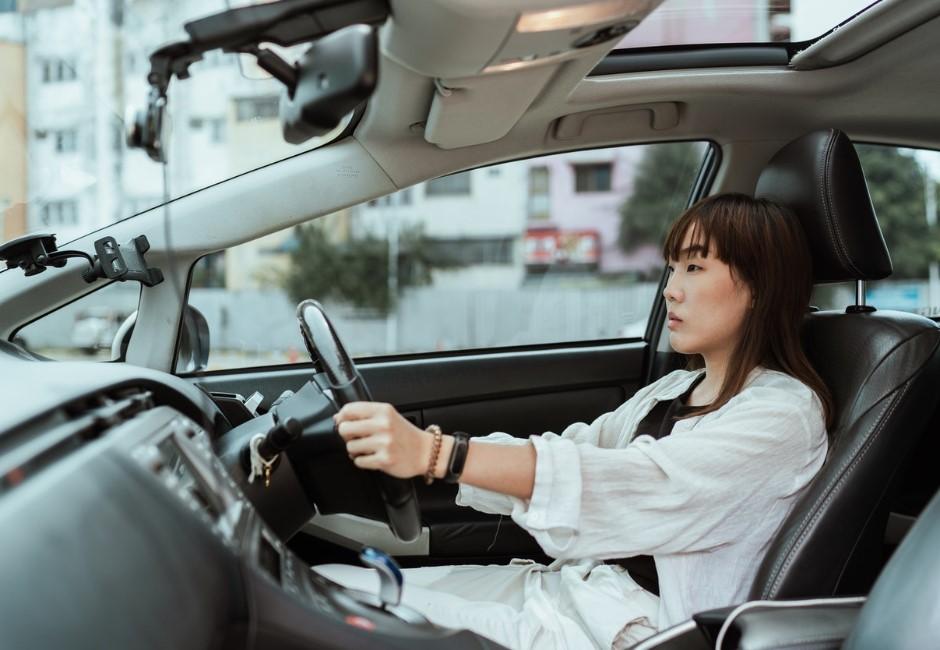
(435, 452)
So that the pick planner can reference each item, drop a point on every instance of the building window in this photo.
(56, 70)
(538, 193)
(216, 130)
(453, 185)
(256, 108)
(214, 125)
(467, 251)
(65, 140)
(593, 177)
(59, 213)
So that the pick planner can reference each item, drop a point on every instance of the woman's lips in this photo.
(673, 321)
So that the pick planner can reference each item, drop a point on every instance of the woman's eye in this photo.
(692, 267)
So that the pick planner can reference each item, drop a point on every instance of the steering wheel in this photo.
(347, 385)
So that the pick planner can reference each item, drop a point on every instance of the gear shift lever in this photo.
(390, 576)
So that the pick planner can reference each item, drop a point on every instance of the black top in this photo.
(659, 421)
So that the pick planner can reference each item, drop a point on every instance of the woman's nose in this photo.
(671, 293)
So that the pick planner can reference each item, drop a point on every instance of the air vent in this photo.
(26, 451)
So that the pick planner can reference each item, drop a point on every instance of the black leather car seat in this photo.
(900, 612)
(882, 368)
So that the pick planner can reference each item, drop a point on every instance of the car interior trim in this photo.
(855, 602)
(353, 531)
(880, 23)
(676, 632)
(660, 58)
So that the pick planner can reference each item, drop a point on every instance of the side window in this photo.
(903, 183)
(84, 329)
(554, 249)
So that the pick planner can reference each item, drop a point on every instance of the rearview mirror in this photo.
(335, 75)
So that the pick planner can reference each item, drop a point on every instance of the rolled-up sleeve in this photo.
(554, 510)
(501, 504)
(694, 490)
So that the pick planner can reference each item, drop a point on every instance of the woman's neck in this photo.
(716, 366)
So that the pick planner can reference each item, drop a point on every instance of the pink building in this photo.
(574, 203)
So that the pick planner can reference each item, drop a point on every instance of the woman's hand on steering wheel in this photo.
(378, 437)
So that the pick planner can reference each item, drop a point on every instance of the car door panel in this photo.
(424, 381)
(520, 392)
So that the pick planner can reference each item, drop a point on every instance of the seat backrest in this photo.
(901, 611)
(881, 367)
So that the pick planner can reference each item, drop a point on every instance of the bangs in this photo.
(694, 223)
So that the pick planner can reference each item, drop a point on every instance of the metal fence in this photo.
(255, 327)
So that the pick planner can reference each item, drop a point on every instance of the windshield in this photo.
(698, 22)
(71, 69)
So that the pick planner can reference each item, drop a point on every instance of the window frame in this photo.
(19, 328)
(932, 312)
(703, 182)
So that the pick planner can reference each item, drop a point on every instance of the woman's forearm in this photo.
(508, 469)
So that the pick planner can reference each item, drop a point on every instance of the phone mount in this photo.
(35, 253)
(336, 74)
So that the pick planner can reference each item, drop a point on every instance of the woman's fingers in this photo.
(378, 437)
(363, 410)
(352, 429)
(367, 445)
(367, 462)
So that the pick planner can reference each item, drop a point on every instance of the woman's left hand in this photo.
(378, 437)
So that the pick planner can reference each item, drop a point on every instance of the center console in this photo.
(289, 604)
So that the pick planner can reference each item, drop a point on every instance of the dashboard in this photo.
(123, 527)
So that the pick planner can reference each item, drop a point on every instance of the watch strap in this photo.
(458, 456)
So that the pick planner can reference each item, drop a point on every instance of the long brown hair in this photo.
(766, 248)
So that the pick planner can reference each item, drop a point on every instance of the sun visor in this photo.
(490, 61)
(482, 109)
(448, 39)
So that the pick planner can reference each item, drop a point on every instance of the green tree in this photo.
(354, 271)
(896, 184)
(661, 188)
(895, 180)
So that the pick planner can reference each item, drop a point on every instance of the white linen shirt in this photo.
(705, 501)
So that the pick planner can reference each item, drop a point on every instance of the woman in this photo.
(698, 469)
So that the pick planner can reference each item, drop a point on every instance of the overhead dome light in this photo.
(550, 20)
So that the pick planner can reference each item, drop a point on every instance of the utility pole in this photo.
(930, 207)
(391, 319)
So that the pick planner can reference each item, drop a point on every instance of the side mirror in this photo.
(193, 352)
(122, 337)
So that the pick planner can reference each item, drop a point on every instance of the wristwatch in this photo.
(458, 456)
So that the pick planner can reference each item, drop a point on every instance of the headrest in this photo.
(819, 177)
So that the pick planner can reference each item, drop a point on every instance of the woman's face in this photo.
(706, 304)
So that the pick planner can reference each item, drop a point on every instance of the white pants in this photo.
(524, 605)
